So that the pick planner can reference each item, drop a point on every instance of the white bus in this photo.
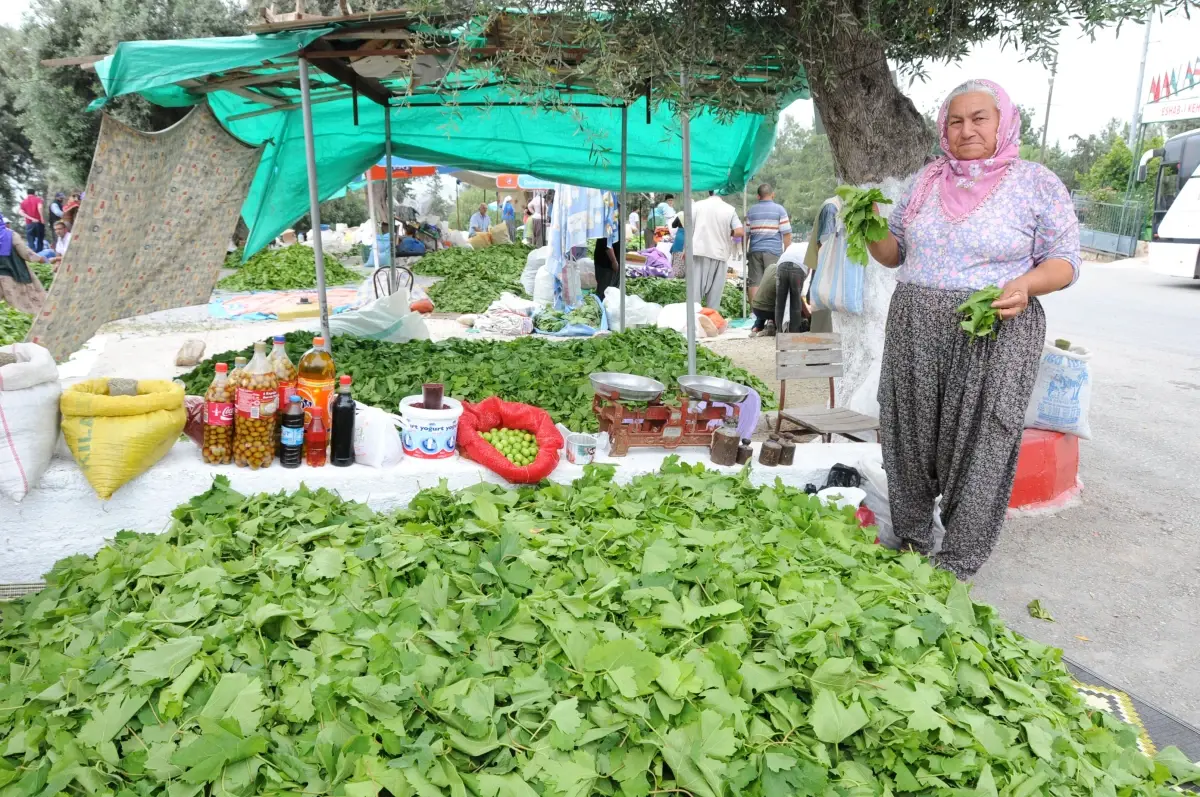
(1175, 234)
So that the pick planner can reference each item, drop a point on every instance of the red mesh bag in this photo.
(492, 413)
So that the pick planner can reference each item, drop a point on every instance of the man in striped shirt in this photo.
(770, 233)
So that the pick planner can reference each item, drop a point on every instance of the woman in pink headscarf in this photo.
(952, 409)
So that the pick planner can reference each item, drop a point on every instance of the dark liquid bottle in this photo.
(341, 449)
(291, 434)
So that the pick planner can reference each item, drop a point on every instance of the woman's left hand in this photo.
(1013, 300)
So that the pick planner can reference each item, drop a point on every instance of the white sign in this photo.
(1171, 109)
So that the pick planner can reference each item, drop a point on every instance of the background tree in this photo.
(53, 102)
(16, 156)
(801, 170)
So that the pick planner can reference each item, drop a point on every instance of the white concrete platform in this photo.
(63, 516)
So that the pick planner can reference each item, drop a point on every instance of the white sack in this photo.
(1062, 394)
(29, 393)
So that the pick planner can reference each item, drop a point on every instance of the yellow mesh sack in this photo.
(480, 240)
(116, 438)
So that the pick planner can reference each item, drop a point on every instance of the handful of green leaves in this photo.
(14, 325)
(289, 268)
(980, 319)
(863, 224)
(687, 633)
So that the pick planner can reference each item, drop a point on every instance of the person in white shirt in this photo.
(714, 226)
(480, 221)
(62, 239)
(535, 213)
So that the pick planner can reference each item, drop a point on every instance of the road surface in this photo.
(1120, 573)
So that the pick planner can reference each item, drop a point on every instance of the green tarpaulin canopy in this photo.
(471, 119)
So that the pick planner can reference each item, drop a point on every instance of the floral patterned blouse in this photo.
(1027, 220)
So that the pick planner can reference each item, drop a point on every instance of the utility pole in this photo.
(1137, 98)
(1049, 98)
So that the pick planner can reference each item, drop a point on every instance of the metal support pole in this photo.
(374, 219)
(689, 265)
(623, 208)
(391, 211)
(745, 255)
(314, 198)
(1136, 119)
(1049, 97)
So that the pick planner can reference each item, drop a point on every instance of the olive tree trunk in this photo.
(874, 130)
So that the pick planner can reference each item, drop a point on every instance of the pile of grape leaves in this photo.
(14, 325)
(532, 370)
(475, 277)
(288, 268)
(687, 633)
(661, 290)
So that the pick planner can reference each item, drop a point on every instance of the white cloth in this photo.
(713, 222)
(60, 246)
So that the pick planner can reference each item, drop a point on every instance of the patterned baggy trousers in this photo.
(951, 414)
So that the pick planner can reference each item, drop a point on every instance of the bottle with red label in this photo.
(316, 439)
(285, 375)
(256, 404)
(218, 419)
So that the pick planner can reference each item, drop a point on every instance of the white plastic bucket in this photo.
(429, 434)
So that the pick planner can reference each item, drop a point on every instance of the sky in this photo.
(1096, 80)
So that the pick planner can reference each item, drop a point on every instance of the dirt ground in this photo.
(757, 355)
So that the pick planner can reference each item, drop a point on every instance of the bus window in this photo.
(1164, 193)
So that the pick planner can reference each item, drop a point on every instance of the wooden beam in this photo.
(84, 61)
(230, 83)
(341, 71)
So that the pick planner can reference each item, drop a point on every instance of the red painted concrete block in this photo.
(1047, 470)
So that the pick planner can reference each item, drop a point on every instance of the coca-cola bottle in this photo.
(218, 419)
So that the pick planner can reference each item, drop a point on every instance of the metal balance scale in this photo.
(630, 409)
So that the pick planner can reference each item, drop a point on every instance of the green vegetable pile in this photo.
(288, 268)
(533, 370)
(518, 447)
(673, 291)
(863, 224)
(477, 276)
(587, 314)
(980, 319)
(14, 325)
(45, 273)
(234, 258)
(688, 633)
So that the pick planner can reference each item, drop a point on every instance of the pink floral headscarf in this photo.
(965, 184)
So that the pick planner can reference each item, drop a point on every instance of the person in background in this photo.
(33, 209)
(663, 212)
(714, 226)
(409, 244)
(763, 305)
(789, 297)
(71, 209)
(607, 259)
(62, 239)
(509, 214)
(56, 207)
(480, 221)
(952, 408)
(535, 219)
(770, 234)
(823, 228)
(19, 286)
(678, 242)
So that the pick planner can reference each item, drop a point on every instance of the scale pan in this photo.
(626, 387)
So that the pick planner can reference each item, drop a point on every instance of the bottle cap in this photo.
(318, 342)
(279, 339)
(345, 380)
(222, 368)
(294, 399)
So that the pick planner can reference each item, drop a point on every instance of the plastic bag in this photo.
(492, 413)
(543, 287)
(193, 427)
(1062, 394)
(117, 438)
(512, 303)
(837, 283)
(376, 439)
(674, 316)
(717, 319)
(29, 396)
(389, 318)
(587, 273)
(537, 258)
(504, 322)
(638, 311)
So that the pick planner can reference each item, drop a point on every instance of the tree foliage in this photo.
(54, 101)
(16, 162)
